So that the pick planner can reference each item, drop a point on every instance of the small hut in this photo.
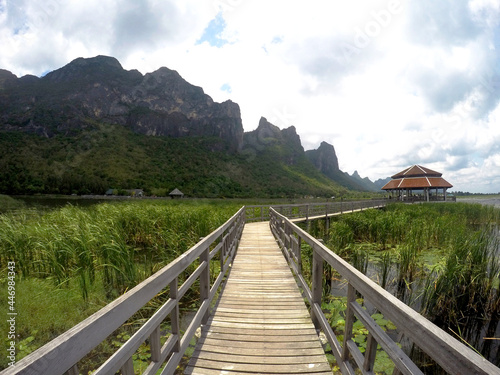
(418, 183)
(176, 194)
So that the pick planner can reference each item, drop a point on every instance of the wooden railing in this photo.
(308, 211)
(453, 356)
(61, 356)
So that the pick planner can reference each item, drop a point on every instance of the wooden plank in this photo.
(266, 368)
(205, 371)
(285, 358)
(258, 350)
(227, 340)
(452, 355)
(260, 337)
(261, 324)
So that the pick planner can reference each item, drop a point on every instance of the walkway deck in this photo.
(261, 324)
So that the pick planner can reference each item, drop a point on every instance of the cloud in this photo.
(459, 52)
(389, 83)
(446, 23)
(143, 25)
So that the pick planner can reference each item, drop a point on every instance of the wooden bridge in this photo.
(252, 313)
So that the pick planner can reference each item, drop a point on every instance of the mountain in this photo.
(92, 125)
(381, 182)
(325, 160)
(73, 97)
(286, 142)
(365, 183)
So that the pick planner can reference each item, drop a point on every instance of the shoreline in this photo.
(484, 201)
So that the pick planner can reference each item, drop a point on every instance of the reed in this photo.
(384, 268)
(464, 289)
(125, 243)
(446, 259)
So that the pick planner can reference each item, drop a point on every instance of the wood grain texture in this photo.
(261, 324)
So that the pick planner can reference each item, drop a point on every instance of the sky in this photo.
(388, 83)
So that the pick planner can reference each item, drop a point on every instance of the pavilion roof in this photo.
(417, 183)
(176, 192)
(417, 171)
(417, 177)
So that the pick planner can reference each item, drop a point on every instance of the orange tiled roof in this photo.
(417, 177)
(417, 171)
(417, 183)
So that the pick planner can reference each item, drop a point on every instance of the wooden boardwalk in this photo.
(261, 324)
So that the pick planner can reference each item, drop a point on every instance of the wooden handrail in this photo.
(61, 355)
(304, 212)
(453, 356)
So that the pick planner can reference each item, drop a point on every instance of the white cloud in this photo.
(388, 82)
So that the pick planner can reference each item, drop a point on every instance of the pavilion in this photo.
(418, 183)
(176, 194)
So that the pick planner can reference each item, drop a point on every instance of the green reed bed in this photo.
(125, 242)
(78, 259)
(443, 259)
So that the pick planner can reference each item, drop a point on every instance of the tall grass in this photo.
(124, 242)
(8, 204)
(443, 259)
(72, 261)
(464, 292)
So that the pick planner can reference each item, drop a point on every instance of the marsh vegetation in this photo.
(441, 259)
(71, 261)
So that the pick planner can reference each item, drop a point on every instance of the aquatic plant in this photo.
(124, 242)
(443, 259)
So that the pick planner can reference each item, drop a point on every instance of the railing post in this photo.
(72, 371)
(370, 353)
(299, 255)
(128, 367)
(317, 284)
(286, 234)
(174, 315)
(222, 256)
(155, 345)
(349, 321)
(205, 278)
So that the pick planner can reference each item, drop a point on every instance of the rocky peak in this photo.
(324, 159)
(160, 103)
(292, 138)
(6, 76)
(269, 133)
(286, 142)
(101, 70)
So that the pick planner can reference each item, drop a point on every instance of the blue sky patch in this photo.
(277, 40)
(212, 33)
(227, 88)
